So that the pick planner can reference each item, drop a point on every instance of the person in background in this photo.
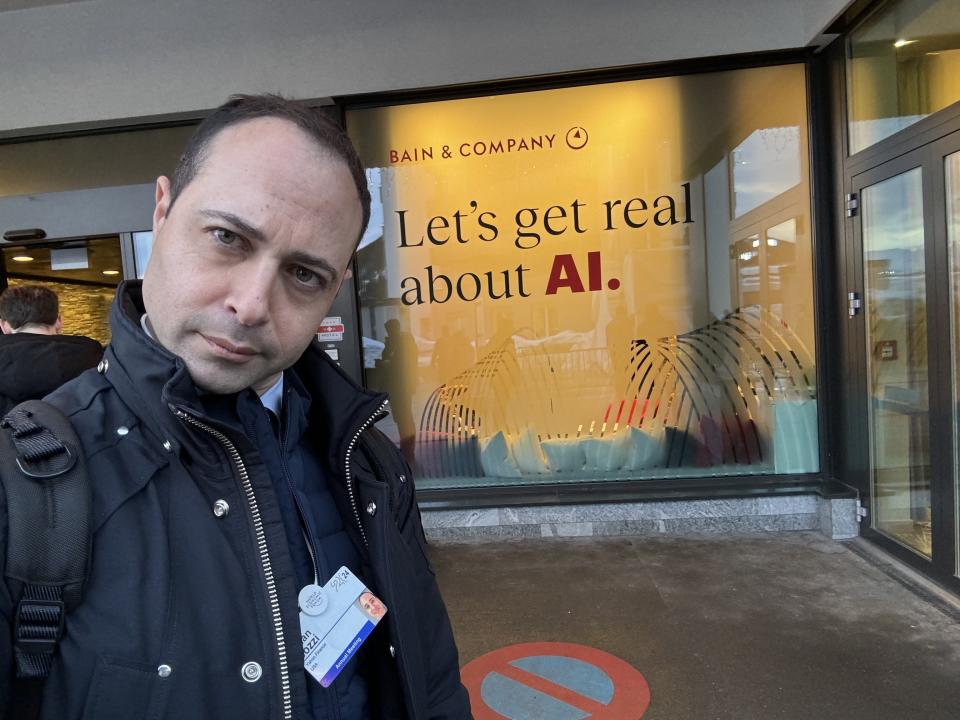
(35, 358)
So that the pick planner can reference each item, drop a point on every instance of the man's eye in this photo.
(224, 237)
(308, 277)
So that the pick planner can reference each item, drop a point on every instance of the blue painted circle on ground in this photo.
(517, 701)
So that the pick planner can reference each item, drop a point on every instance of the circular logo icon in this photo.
(577, 137)
(313, 600)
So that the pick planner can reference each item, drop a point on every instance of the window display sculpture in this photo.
(735, 396)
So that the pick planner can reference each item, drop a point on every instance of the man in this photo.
(35, 359)
(234, 466)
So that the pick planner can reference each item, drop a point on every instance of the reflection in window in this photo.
(765, 165)
(566, 286)
(904, 63)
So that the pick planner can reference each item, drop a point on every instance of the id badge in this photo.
(334, 621)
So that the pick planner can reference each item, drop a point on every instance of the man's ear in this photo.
(163, 204)
(347, 274)
(6, 327)
(58, 325)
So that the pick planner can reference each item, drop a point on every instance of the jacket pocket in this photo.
(120, 689)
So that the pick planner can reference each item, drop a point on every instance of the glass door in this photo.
(950, 154)
(895, 301)
(907, 250)
(83, 272)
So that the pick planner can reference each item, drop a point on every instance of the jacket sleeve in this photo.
(447, 697)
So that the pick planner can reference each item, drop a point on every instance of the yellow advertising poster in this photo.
(536, 259)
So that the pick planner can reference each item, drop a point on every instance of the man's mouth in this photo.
(228, 350)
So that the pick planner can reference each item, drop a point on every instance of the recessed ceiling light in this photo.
(111, 272)
(22, 258)
(901, 43)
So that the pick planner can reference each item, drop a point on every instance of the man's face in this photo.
(248, 260)
(371, 605)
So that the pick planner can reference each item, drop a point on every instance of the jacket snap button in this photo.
(164, 671)
(403, 478)
(167, 445)
(221, 508)
(122, 430)
(102, 366)
(372, 508)
(251, 672)
(393, 651)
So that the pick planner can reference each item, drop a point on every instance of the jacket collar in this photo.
(155, 383)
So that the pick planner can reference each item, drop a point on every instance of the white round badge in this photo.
(313, 600)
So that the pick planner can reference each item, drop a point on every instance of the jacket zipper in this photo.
(356, 512)
(265, 563)
(346, 468)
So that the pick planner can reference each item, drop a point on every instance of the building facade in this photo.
(630, 269)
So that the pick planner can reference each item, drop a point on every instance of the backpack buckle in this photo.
(38, 626)
(49, 465)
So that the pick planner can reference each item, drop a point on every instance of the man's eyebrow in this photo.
(250, 231)
(255, 233)
(313, 261)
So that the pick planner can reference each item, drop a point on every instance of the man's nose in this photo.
(249, 297)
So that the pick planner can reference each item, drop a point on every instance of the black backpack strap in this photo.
(48, 513)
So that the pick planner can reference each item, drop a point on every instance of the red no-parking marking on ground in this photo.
(554, 681)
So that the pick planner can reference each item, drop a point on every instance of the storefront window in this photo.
(904, 65)
(591, 283)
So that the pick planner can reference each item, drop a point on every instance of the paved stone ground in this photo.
(787, 625)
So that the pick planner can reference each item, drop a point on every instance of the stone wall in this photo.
(835, 518)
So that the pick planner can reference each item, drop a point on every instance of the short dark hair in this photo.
(29, 305)
(240, 108)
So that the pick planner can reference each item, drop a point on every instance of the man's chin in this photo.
(219, 381)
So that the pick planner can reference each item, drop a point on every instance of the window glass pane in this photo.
(904, 64)
(142, 248)
(897, 369)
(578, 284)
(952, 172)
(765, 165)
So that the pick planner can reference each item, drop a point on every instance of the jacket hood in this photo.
(155, 383)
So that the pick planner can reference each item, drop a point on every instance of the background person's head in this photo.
(29, 308)
(252, 239)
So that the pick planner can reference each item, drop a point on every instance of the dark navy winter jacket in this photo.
(212, 595)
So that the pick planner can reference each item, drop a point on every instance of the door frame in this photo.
(928, 155)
